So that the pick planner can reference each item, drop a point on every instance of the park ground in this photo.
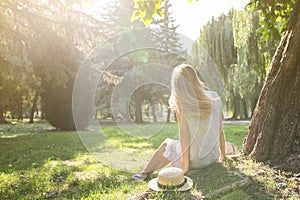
(40, 162)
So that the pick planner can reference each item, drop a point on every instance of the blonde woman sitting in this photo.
(201, 136)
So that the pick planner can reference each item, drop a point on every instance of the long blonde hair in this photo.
(188, 93)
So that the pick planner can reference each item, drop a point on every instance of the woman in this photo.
(201, 137)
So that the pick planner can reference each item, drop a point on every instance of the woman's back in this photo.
(204, 134)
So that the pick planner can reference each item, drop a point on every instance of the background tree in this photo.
(166, 35)
(49, 39)
(163, 36)
(235, 45)
(167, 39)
(7, 89)
(16, 91)
(117, 14)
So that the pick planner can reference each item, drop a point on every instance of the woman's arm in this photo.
(184, 138)
(222, 142)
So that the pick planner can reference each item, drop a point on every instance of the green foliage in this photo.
(119, 14)
(241, 57)
(146, 10)
(275, 15)
(242, 27)
(17, 89)
(166, 36)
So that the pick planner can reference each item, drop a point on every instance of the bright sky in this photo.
(192, 16)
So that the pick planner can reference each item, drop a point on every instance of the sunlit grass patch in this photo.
(235, 134)
(55, 165)
(69, 179)
(127, 138)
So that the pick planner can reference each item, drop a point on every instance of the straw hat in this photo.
(170, 179)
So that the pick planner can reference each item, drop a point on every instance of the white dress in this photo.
(204, 138)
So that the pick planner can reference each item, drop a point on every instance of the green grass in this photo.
(235, 134)
(38, 162)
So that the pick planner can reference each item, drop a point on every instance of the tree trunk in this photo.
(154, 115)
(139, 97)
(138, 113)
(2, 119)
(236, 106)
(33, 108)
(274, 131)
(246, 115)
(253, 104)
(153, 110)
(57, 106)
(20, 107)
(169, 115)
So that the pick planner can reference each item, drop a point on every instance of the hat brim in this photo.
(154, 186)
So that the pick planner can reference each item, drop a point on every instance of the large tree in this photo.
(49, 39)
(274, 131)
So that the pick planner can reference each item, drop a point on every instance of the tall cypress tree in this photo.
(166, 35)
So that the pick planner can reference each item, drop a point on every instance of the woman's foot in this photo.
(141, 176)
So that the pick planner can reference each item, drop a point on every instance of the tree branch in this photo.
(243, 183)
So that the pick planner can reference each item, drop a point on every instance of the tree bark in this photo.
(57, 106)
(274, 131)
(152, 104)
(138, 112)
(246, 115)
(169, 115)
(33, 108)
(253, 104)
(139, 98)
(20, 107)
(236, 106)
(57, 102)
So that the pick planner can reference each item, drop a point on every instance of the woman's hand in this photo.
(222, 158)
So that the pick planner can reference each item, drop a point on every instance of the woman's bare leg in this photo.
(157, 161)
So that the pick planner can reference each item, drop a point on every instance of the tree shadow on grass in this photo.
(225, 181)
(25, 150)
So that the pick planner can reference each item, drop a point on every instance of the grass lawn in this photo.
(38, 162)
